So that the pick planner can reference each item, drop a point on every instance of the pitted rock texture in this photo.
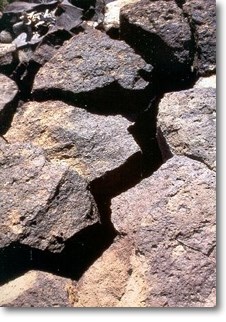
(173, 226)
(8, 92)
(92, 61)
(89, 143)
(202, 17)
(187, 121)
(42, 204)
(36, 289)
(159, 31)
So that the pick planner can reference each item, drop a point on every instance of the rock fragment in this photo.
(7, 60)
(42, 204)
(171, 216)
(159, 31)
(93, 65)
(187, 121)
(91, 144)
(37, 289)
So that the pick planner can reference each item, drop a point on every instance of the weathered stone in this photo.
(172, 218)
(187, 121)
(120, 276)
(161, 33)
(42, 204)
(202, 17)
(104, 283)
(8, 93)
(5, 37)
(112, 13)
(90, 144)
(37, 289)
(92, 63)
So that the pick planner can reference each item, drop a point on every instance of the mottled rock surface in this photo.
(91, 62)
(172, 218)
(202, 17)
(89, 143)
(42, 204)
(161, 33)
(187, 121)
(206, 82)
(36, 289)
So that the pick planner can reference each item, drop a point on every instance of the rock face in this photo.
(173, 225)
(92, 63)
(187, 121)
(202, 17)
(91, 144)
(161, 33)
(8, 93)
(36, 289)
(7, 52)
(42, 204)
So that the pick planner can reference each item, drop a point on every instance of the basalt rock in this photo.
(42, 204)
(93, 69)
(91, 144)
(160, 32)
(202, 17)
(37, 289)
(171, 217)
(8, 59)
(187, 122)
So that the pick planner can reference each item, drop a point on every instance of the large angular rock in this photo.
(92, 68)
(161, 33)
(42, 204)
(90, 144)
(37, 289)
(202, 17)
(171, 216)
(187, 121)
(7, 52)
(8, 93)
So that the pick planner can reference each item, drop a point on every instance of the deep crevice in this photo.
(110, 100)
(81, 251)
(6, 115)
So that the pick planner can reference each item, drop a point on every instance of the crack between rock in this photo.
(195, 249)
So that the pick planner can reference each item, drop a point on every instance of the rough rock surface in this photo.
(161, 33)
(187, 121)
(89, 143)
(202, 17)
(8, 92)
(89, 62)
(172, 217)
(206, 82)
(36, 289)
(42, 204)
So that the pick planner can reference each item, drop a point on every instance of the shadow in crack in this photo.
(79, 253)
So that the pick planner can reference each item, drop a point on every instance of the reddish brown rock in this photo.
(90, 144)
(42, 204)
(187, 121)
(37, 289)
(171, 216)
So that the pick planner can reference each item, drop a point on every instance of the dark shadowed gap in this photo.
(110, 100)
(6, 115)
(79, 253)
